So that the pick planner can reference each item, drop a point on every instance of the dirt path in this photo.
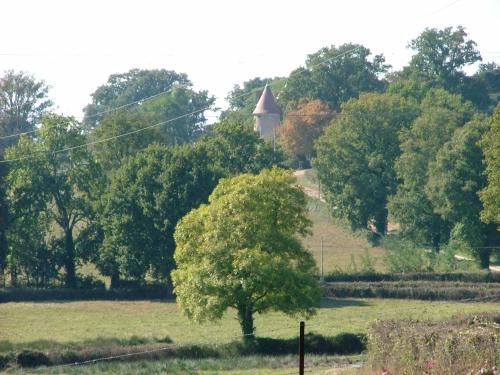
(313, 193)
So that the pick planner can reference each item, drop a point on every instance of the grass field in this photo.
(341, 245)
(50, 326)
(79, 325)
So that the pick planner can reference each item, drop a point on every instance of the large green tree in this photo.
(146, 197)
(335, 75)
(439, 59)
(23, 100)
(455, 179)
(355, 157)
(54, 176)
(441, 114)
(490, 195)
(242, 250)
(124, 88)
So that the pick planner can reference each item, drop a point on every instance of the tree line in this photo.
(418, 146)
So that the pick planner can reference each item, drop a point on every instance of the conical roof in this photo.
(267, 104)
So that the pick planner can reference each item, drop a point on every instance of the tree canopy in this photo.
(336, 74)
(490, 195)
(55, 178)
(242, 250)
(355, 157)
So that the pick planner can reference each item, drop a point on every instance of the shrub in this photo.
(32, 358)
(404, 256)
(457, 346)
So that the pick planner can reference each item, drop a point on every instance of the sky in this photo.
(75, 45)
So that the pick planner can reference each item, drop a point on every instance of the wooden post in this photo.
(322, 246)
(301, 349)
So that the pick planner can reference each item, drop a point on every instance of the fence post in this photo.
(321, 252)
(301, 349)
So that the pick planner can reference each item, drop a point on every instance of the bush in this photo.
(404, 256)
(89, 282)
(457, 346)
(32, 358)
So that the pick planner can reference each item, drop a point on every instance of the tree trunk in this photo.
(245, 317)
(484, 258)
(69, 259)
(381, 222)
(115, 280)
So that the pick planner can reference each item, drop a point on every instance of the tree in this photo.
(439, 60)
(53, 175)
(335, 75)
(356, 154)
(455, 179)
(23, 100)
(302, 127)
(235, 148)
(244, 98)
(134, 85)
(490, 195)
(146, 197)
(441, 113)
(179, 117)
(242, 251)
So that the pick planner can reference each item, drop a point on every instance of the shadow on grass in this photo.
(335, 303)
(344, 343)
(98, 342)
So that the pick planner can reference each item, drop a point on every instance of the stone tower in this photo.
(267, 114)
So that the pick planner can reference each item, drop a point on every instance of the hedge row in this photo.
(470, 345)
(63, 294)
(470, 277)
(414, 290)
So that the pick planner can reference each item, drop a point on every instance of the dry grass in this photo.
(341, 245)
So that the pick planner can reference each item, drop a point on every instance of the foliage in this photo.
(405, 256)
(242, 251)
(243, 99)
(440, 56)
(441, 113)
(302, 126)
(356, 155)
(58, 184)
(336, 74)
(455, 179)
(143, 202)
(490, 195)
(459, 346)
(235, 148)
(167, 111)
(124, 88)
(23, 101)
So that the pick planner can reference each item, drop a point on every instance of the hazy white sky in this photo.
(75, 45)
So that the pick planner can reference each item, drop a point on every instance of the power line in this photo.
(96, 114)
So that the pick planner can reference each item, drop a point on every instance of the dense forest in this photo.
(418, 147)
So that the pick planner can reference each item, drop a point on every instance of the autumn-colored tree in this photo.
(302, 127)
